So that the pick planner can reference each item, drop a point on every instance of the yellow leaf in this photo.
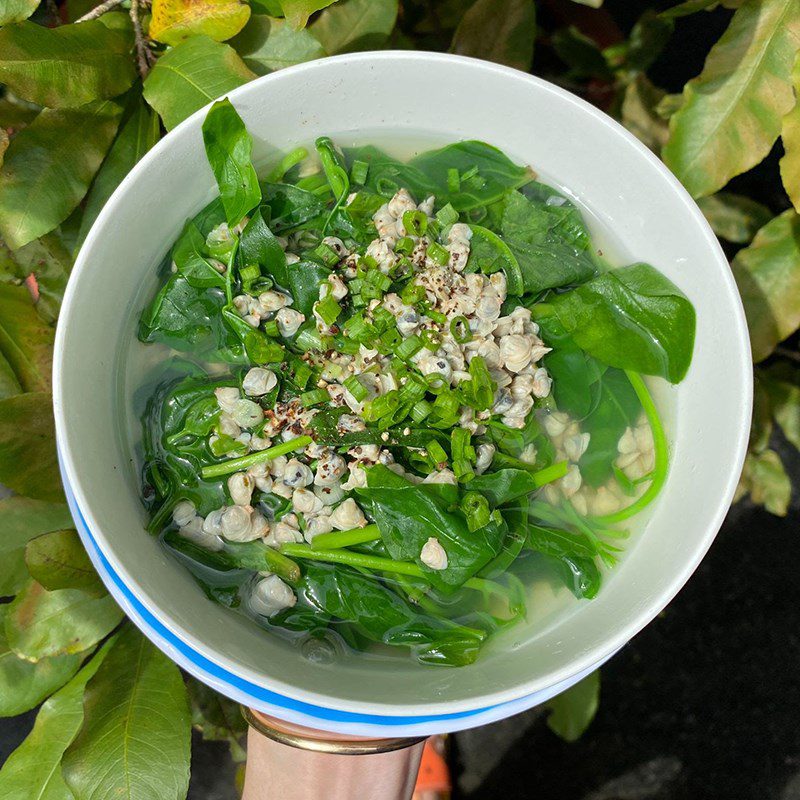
(790, 134)
(176, 20)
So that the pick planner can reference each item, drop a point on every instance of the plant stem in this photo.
(144, 57)
(243, 462)
(99, 10)
(551, 473)
(336, 539)
(660, 451)
(282, 566)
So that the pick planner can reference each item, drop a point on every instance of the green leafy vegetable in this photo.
(631, 318)
(228, 148)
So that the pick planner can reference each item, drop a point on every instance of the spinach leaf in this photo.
(495, 175)
(574, 373)
(189, 319)
(616, 407)
(386, 174)
(260, 248)
(383, 616)
(189, 256)
(289, 206)
(503, 486)
(304, 279)
(550, 242)
(632, 318)
(572, 555)
(228, 148)
(174, 454)
(489, 253)
(407, 515)
(212, 216)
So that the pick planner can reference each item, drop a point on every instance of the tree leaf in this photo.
(790, 136)
(581, 54)
(134, 743)
(228, 149)
(352, 25)
(26, 341)
(498, 30)
(138, 134)
(32, 771)
(50, 262)
(732, 112)
(42, 624)
(24, 685)
(572, 711)
(57, 560)
(297, 12)
(16, 10)
(28, 463)
(217, 718)
(69, 65)
(764, 478)
(689, 7)
(9, 384)
(768, 275)
(176, 20)
(734, 217)
(49, 167)
(639, 113)
(267, 44)
(782, 384)
(20, 520)
(190, 76)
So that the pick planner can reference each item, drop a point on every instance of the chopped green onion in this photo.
(376, 278)
(412, 293)
(390, 340)
(314, 397)
(415, 222)
(446, 410)
(425, 309)
(460, 445)
(436, 452)
(470, 173)
(224, 444)
(301, 373)
(405, 245)
(412, 390)
(383, 318)
(386, 186)
(328, 309)
(447, 215)
(438, 253)
(476, 509)
(437, 383)
(358, 172)
(453, 181)
(463, 471)
(420, 410)
(459, 329)
(249, 274)
(358, 329)
(326, 254)
(381, 406)
(356, 388)
(238, 464)
(431, 339)
(409, 347)
(271, 328)
(308, 339)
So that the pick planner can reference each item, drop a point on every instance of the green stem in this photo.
(336, 539)
(551, 473)
(243, 462)
(660, 450)
(285, 164)
(282, 566)
(377, 563)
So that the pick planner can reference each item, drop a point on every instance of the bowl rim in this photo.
(621, 634)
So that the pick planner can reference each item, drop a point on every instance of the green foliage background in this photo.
(88, 89)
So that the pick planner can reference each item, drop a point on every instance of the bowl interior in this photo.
(634, 206)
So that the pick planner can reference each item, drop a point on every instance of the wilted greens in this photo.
(427, 393)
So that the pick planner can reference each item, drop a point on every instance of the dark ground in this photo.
(705, 702)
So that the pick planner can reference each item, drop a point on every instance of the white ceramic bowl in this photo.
(625, 190)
